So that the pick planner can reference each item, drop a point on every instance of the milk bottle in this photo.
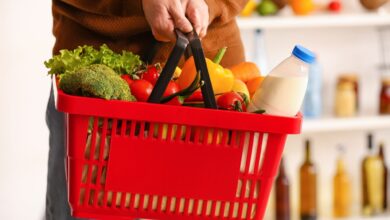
(283, 90)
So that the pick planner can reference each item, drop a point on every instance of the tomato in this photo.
(172, 88)
(334, 6)
(196, 96)
(141, 89)
(151, 74)
(231, 101)
(127, 78)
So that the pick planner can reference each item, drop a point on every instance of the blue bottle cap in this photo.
(304, 54)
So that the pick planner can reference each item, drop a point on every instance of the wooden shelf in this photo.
(345, 124)
(316, 21)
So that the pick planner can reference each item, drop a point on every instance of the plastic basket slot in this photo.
(91, 139)
(153, 204)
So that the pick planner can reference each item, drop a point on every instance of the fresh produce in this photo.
(334, 6)
(96, 80)
(151, 74)
(141, 89)
(232, 101)
(70, 60)
(373, 4)
(173, 88)
(221, 79)
(302, 7)
(240, 87)
(249, 8)
(245, 71)
(196, 96)
(177, 73)
(253, 84)
(127, 78)
(280, 3)
(267, 7)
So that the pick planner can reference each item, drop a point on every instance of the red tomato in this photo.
(231, 101)
(334, 6)
(151, 74)
(172, 88)
(127, 78)
(141, 89)
(196, 96)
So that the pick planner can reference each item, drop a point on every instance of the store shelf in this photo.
(345, 124)
(315, 21)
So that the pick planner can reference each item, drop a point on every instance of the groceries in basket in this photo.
(102, 73)
(137, 160)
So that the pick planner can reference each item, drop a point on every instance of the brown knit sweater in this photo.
(121, 25)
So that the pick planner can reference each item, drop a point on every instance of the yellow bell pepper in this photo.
(222, 79)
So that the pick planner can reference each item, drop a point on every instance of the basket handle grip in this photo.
(182, 42)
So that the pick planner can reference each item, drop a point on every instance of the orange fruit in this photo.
(302, 7)
(254, 84)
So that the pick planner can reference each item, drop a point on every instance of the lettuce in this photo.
(67, 61)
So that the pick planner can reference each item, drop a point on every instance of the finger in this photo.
(164, 31)
(163, 27)
(205, 24)
(179, 19)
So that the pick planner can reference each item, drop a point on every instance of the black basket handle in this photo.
(201, 67)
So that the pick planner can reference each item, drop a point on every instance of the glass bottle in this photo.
(308, 187)
(372, 174)
(341, 189)
(282, 185)
(384, 107)
(354, 79)
(385, 175)
(345, 100)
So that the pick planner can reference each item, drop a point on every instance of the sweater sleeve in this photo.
(108, 7)
(223, 11)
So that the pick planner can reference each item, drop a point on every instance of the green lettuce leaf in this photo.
(67, 61)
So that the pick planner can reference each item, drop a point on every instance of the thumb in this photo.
(180, 21)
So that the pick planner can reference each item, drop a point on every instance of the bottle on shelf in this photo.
(308, 186)
(282, 190)
(284, 88)
(312, 104)
(346, 99)
(384, 100)
(372, 182)
(354, 79)
(341, 188)
(385, 176)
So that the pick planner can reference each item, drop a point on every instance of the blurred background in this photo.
(351, 42)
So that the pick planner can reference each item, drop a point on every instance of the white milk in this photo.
(280, 95)
(283, 90)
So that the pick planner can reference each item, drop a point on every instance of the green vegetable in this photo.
(96, 80)
(267, 7)
(70, 60)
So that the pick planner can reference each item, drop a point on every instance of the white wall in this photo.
(25, 42)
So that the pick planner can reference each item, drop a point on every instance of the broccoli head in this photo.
(96, 80)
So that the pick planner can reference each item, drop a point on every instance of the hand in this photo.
(197, 12)
(164, 16)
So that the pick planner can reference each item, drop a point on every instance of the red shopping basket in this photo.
(129, 160)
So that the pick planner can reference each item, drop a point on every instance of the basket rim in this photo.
(170, 114)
